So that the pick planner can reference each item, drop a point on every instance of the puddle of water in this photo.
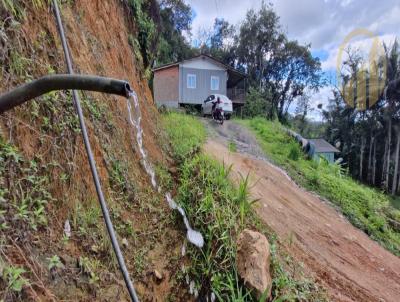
(135, 118)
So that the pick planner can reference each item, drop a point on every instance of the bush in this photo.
(294, 152)
(257, 104)
(147, 36)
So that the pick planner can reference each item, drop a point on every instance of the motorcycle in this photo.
(218, 115)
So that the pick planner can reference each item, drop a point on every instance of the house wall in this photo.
(166, 87)
(203, 83)
(329, 156)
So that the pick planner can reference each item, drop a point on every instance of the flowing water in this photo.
(135, 117)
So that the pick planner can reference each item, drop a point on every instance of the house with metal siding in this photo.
(191, 81)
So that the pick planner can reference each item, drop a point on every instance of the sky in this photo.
(322, 23)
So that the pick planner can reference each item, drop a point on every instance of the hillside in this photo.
(54, 245)
(366, 208)
(341, 257)
(45, 176)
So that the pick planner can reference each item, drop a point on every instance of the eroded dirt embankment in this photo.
(98, 33)
(344, 259)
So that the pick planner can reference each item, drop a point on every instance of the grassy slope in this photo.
(220, 211)
(366, 208)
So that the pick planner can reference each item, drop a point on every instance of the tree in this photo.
(255, 103)
(218, 41)
(175, 19)
(258, 39)
(302, 109)
(292, 71)
(274, 63)
(369, 135)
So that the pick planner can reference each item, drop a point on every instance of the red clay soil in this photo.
(342, 258)
(97, 34)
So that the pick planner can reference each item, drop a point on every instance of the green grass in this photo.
(186, 134)
(232, 146)
(366, 208)
(396, 202)
(220, 211)
(17, 7)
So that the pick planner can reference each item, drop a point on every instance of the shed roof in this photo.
(322, 146)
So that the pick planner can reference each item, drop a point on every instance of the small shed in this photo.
(323, 148)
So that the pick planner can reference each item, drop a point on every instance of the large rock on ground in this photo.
(253, 261)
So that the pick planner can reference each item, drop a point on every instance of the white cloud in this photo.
(364, 45)
(322, 23)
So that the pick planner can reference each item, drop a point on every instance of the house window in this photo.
(214, 83)
(191, 81)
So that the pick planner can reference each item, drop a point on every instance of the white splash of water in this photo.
(193, 236)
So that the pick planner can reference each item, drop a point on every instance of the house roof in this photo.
(322, 145)
(234, 74)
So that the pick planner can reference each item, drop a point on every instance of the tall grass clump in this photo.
(365, 207)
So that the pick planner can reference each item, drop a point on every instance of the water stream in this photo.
(135, 117)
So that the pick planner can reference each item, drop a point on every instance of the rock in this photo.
(253, 261)
(94, 248)
(124, 242)
(67, 229)
(68, 261)
(158, 275)
(394, 224)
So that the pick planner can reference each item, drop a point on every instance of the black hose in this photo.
(49, 83)
(106, 215)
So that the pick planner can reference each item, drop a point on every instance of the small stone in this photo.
(94, 248)
(67, 229)
(212, 297)
(158, 275)
(125, 242)
(68, 261)
(191, 287)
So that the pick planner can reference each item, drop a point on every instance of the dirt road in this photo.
(344, 259)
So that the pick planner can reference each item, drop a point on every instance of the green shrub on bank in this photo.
(366, 208)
